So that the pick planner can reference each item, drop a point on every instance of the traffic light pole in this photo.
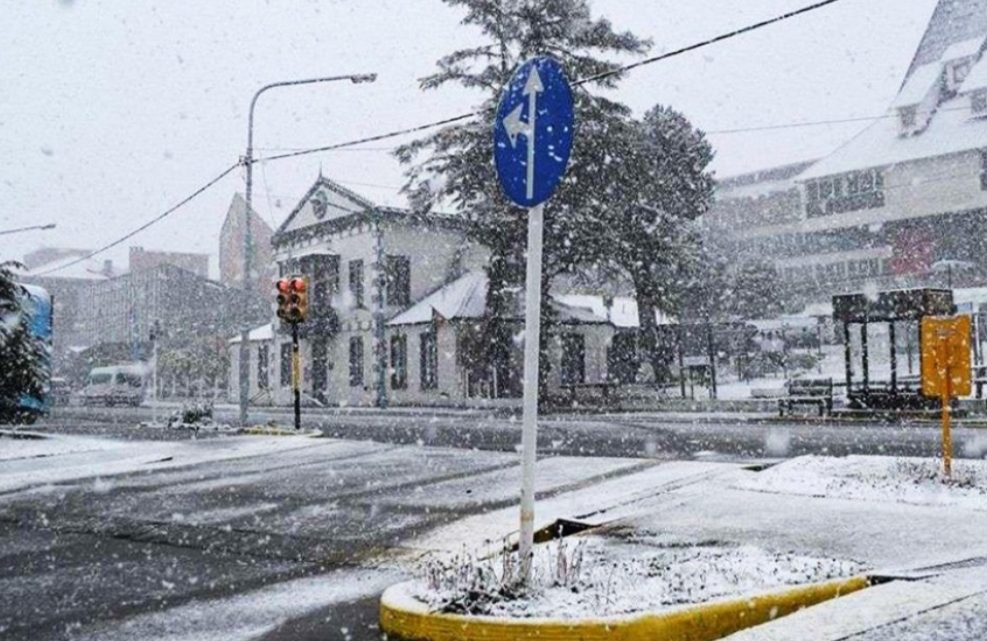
(248, 241)
(296, 375)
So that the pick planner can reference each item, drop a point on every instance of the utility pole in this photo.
(248, 241)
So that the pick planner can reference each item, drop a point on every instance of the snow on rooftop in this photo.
(950, 131)
(262, 333)
(977, 78)
(63, 268)
(622, 313)
(918, 85)
(818, 309)
(465, 297)
(963, 49)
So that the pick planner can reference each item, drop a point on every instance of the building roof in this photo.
(951, 130)
(918, 85)
(963, 48)
(977, 78)
(622, 312)
(952, 22)
(63, 268)
(341, 208)
(261, 333)
(466, 298)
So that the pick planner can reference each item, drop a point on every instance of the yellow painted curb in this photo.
(409, 620)
(268, 430)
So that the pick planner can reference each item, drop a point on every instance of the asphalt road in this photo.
(677, 436)
(102, 559)
(136, 555)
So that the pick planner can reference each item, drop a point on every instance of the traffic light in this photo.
(299, 299)
(292, 299)
(284, 297)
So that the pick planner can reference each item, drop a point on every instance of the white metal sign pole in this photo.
(532, 332)
(532, 341)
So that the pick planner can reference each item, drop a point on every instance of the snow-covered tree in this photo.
(22, 355)
(756, 291)
(665, 184)
(454, 165)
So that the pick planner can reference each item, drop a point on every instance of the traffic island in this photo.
(403, 616)
(605, 587)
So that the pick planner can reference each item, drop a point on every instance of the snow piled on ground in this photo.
(20, 445)
(607, 575)
(916, 481)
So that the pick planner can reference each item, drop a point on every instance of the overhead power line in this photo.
(453, 119)
(601, 76)
(706, 43)
(154, 220)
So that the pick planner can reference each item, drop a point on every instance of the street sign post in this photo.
(536, 105)
(946, 369)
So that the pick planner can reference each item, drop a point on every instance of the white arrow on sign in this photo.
(515, 126)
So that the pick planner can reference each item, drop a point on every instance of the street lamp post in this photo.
(248, 161)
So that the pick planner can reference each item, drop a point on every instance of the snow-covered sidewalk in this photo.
(704, 524)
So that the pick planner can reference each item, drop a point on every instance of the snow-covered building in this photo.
(394, 298)
(906, 193)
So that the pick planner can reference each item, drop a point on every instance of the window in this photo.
(429, 361)
(262, 360)
(356, 282)
(960, 72)
(622, 361)
(573, 359)
(850, 192)
(978, 103)
(399, 362)
(356, 361)
(909, 116)
(285, 365)
(397, 271)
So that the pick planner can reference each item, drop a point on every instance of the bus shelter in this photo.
(882, 345)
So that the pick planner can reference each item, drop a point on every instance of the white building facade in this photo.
(889, 207)
(392, 297)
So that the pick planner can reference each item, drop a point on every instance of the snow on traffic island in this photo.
(916, 481)
(602, 576)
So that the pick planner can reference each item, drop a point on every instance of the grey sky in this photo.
(111, 111)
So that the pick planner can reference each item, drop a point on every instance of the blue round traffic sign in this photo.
(533, 131)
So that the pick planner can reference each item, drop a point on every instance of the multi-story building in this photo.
(395, 297)
(69, 278)
(904, 203)
(231, 247)
(185, 305)
(142, 259)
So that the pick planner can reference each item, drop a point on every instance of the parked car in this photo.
(115, 385)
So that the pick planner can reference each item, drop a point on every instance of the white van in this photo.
(115, 385)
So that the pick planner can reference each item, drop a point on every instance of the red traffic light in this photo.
(298, 284)
(283, 285)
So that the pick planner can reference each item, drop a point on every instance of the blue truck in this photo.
(36, 304)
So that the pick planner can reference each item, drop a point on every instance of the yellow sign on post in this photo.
(946, 368)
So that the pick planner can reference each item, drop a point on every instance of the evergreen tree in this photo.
(665, 185)
(22, 356)
(756, 290)
(454, 165)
